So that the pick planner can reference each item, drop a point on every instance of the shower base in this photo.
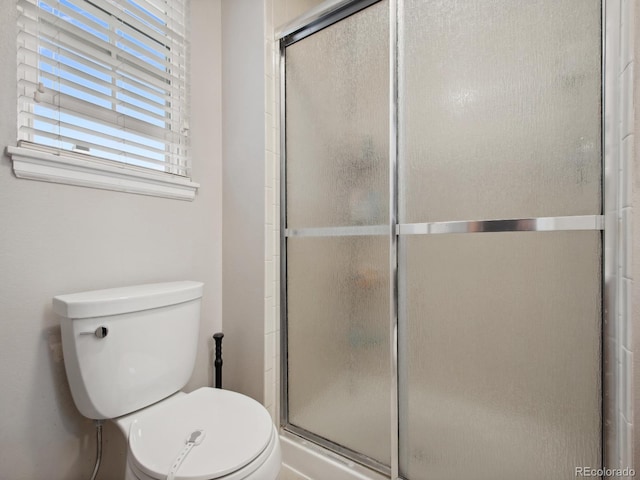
(303, 460)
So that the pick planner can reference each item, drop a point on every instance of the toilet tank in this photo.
(126, 348)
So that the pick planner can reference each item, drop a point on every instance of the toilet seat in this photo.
(237, 431)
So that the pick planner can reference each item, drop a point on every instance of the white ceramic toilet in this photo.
(128, 352)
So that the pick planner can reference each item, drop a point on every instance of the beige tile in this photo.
(627, 32)
(270, 349)
(269, 315)
(627, 114)
(269, 388)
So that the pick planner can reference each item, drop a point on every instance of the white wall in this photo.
(243, 195)
(251, 194)
(58, 239)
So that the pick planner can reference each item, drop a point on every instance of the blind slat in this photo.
(136, 83)
(96, 149)
(78, 139)
(53, 37)
(148, 45)
(114, 100)
(162, 8)
(74, 37)
(76, 107)
(158, 99)
(55, 99)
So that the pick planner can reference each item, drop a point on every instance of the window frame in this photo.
(51, 164)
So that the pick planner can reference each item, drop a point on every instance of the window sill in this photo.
(47, 167)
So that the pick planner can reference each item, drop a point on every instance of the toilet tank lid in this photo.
(114, 301)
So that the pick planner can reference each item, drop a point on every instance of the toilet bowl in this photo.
(128, 352)
(240, 441)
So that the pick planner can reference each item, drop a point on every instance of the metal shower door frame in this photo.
(613, 254)
(327, 16)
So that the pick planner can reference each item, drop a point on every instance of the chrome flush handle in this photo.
(100, 332)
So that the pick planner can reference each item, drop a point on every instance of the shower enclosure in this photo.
(442, 236)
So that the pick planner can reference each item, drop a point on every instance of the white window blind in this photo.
(105, 78)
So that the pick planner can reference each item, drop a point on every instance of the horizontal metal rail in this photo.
(351, 231)
(541, 224)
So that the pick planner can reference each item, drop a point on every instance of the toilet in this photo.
(128, 352)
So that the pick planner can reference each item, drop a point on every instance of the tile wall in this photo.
(625, 274)
(272, 229)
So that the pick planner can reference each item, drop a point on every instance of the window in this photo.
(102, 85)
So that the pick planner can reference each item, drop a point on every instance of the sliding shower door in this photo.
(500, 241)
(442, 236)
(337, 212)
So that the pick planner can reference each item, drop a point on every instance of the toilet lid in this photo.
(236, 430)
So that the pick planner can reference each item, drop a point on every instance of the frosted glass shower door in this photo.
(500, 239)
(337, 236)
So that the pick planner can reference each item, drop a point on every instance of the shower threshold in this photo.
(304, 460)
